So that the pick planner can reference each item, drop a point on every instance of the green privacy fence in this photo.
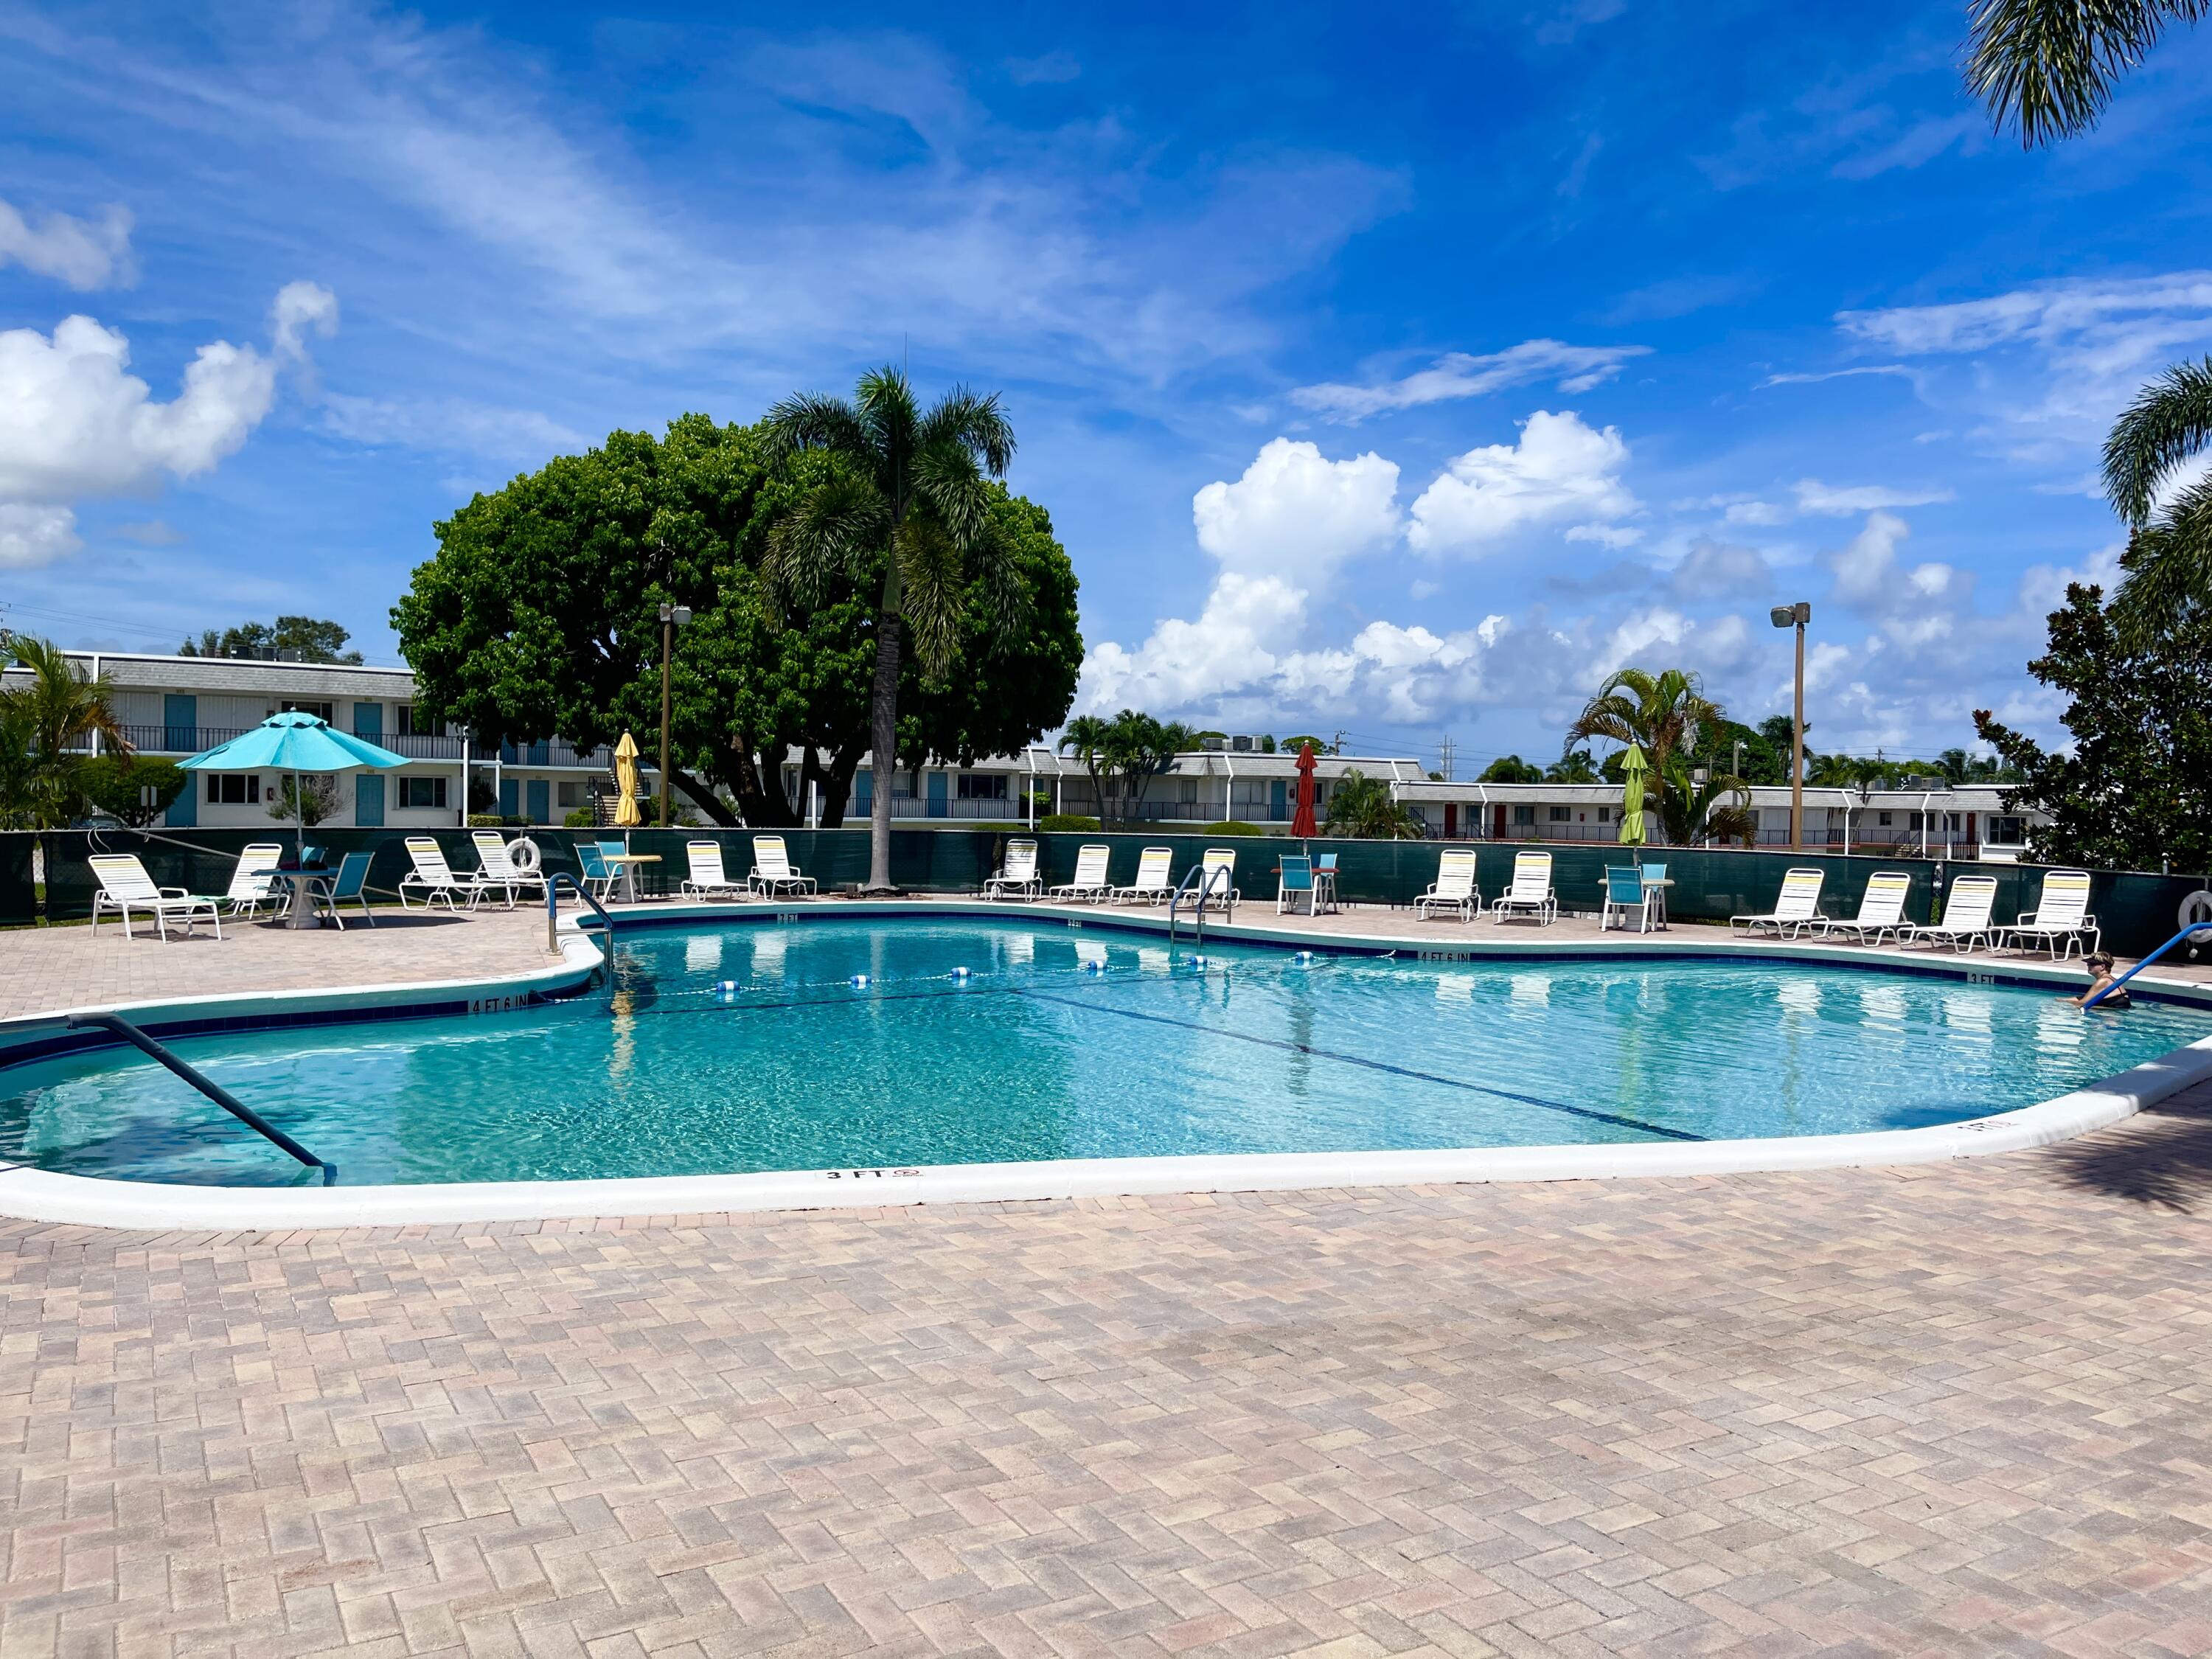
(2138, 910)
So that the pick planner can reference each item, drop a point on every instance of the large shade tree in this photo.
(2133, 790)
(899, 515)
(539, 617)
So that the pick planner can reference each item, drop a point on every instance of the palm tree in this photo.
(53, 716)
(1140, 747)
(1719, 809)
(1668, 716)
(2048, 66)
(1363, 807)
(1090, 736)
(2169, 556)
(1576, 766)
(901, 507)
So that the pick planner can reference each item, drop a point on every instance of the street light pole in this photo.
(672, 618)
(1796, 615)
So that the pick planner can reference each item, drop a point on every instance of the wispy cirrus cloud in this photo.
(1463, 374)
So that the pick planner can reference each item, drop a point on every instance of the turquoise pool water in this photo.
(749, 1047)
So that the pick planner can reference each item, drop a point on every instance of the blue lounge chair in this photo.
(1297, 880)
(351, 883)
(1625, 891)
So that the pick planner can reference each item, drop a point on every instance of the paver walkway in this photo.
(46, 968)
(1951, 1411)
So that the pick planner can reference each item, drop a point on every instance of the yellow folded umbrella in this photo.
(626, 812)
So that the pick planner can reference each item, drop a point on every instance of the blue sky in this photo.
(1399, 371)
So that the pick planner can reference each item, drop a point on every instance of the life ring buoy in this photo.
(522, 852)
(2196, 909)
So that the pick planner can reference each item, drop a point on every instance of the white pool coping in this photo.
(42, 1195)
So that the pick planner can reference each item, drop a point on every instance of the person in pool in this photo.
(2100, 965)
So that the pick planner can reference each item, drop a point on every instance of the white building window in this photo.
(422, 791)
(233, 789)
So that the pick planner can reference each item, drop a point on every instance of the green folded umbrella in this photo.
(1633, 766)
(293, 742)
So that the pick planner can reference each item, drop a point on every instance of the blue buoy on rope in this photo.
(859, 981)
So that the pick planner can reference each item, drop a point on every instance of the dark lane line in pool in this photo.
(1371, 1065)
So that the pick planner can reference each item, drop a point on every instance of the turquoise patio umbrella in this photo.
(293, 742)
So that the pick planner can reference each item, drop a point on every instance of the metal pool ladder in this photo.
(1204, 876)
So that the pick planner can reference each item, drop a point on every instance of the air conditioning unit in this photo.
(1242, 745)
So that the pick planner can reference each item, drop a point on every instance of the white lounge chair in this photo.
(2061, 919)
(1453, 888)
(1017, 878)
(499, 869)
(1218, 890)
(773, 871)
(1795, 912)
(1531, 893)
(1153, 884)
(433, 878)
(707, 878)
(249, 883)
(124, 886)
(1089, 884)
(1881, 911)
(1966, 921)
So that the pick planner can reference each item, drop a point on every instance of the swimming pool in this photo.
(730, 1048)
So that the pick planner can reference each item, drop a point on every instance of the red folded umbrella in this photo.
(1302, 824)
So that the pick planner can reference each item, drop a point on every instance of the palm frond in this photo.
(2047, 67)
(835, 529)
(2170, 420)
(886, 402)
(944, 477)
(932, 591)
(978, 425)
(815, 420)
(2169, 565)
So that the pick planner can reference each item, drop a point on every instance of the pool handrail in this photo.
(1204, 874)
(554, 882)
(207, 1086)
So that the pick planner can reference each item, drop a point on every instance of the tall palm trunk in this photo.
(883, 746)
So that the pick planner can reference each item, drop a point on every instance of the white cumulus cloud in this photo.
(1463, 374)
(1560, 468)
(76, 423)
(85, 253)
(1297, 513)
(32, 533)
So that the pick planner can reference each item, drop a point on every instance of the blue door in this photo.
(863, 794)
(368, 796)
(540, 796)
(937, 794)
(509, 803)
(368, 720)
(180, 720)
(1278, 798)
(541, 753)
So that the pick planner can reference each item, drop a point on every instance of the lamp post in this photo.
(1796, 615)
(673, 617)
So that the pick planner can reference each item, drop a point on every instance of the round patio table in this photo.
(301, 885)
(626, 864)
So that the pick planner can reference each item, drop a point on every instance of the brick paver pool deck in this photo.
(1948, 1410)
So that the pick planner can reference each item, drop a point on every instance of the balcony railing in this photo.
(164, 740)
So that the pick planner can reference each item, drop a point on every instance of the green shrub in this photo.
(116, 785)
(1073, 822)
(1232, 827)
(582, 819)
